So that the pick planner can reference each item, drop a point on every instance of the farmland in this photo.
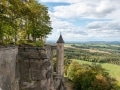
(105, 54)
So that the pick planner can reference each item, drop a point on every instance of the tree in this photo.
(90, 77)
(67, 62)
(39, 21)
(28, 17)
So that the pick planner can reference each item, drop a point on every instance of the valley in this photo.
(105, 54)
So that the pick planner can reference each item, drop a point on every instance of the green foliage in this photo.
(90, 77)
(22, 20)
(54, 64)
(83, 80)
(117, 86)
(112, 69)
(74, 66)
(39, 43)
(67, 62)
(21, 42)
(7, 41)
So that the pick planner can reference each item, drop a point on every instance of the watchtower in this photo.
(60, 56)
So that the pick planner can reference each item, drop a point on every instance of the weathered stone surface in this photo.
(35, 64)
(43, 54)
(33, 55)
(38, 75)
(7, 68)
(24, 70)
(22, 55)
(46, 65)
(59, 82)
(33, 68)
(49, 74)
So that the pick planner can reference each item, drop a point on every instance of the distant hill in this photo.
(96, 42)
(87, 42)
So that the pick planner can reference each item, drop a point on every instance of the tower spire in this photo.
(60, 40)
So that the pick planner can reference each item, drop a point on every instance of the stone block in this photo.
(35, 64)
(31, 85)
(24, 70)
(38, 74)
(43, 54)
(33, 55)
(49, 74)
(7, 67)
(46, 65)
(22, 56)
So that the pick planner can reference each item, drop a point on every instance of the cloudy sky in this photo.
(84, 20)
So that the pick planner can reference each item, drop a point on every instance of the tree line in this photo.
(80, 54)
(23, 20)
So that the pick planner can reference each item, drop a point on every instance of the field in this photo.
(105, 53)
(114, 70)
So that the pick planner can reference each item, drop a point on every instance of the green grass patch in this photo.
(67, 45)
(113, 70)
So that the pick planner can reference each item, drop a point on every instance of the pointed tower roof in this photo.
(60, 40)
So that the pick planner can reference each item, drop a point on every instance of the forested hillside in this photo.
(101, 53)
(93, 66)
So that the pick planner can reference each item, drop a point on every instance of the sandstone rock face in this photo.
(28, 68)
(7, 68)
(34, 69)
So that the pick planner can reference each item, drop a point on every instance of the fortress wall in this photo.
(28, 68)
(7, 68)
(34, 68)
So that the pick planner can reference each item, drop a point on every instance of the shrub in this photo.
(90, 77)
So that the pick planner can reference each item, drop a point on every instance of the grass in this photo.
(67, 45)
(114, 70)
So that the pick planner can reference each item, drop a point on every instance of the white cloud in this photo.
(64, 1)
(109, 30)
(69, 1)
(88, 9)
(61, 15)
(106, 25)
(96, 30)
(72, 11)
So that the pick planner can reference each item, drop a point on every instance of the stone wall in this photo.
(7, 68)
(28, 68)
(34, 69)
